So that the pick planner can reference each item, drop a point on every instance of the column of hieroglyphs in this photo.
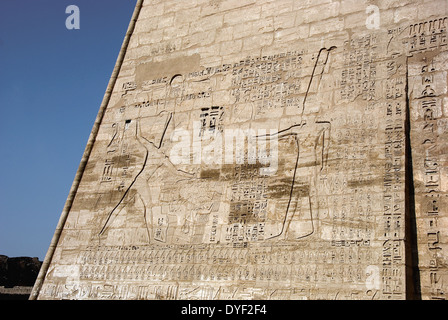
(427, 45)
(329, 83)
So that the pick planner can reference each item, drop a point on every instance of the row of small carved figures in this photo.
(335, 254)
(322, 273)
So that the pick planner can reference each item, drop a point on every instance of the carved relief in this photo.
(311, 203)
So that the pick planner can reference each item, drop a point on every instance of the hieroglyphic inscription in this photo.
(133, 266)
(328, 223)
(211, 120)
(394, 211)
(359, 73)
(313, 221)
(248, 205)
(427, 35)
(269, 81)
(429, 88)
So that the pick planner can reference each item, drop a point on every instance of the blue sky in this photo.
(52, 82)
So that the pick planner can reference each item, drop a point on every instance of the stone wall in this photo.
(265, 150)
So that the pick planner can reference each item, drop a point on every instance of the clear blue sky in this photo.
(52, 82)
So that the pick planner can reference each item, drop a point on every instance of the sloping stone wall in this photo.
(271, 149)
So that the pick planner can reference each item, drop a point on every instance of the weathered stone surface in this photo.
(265, 150)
